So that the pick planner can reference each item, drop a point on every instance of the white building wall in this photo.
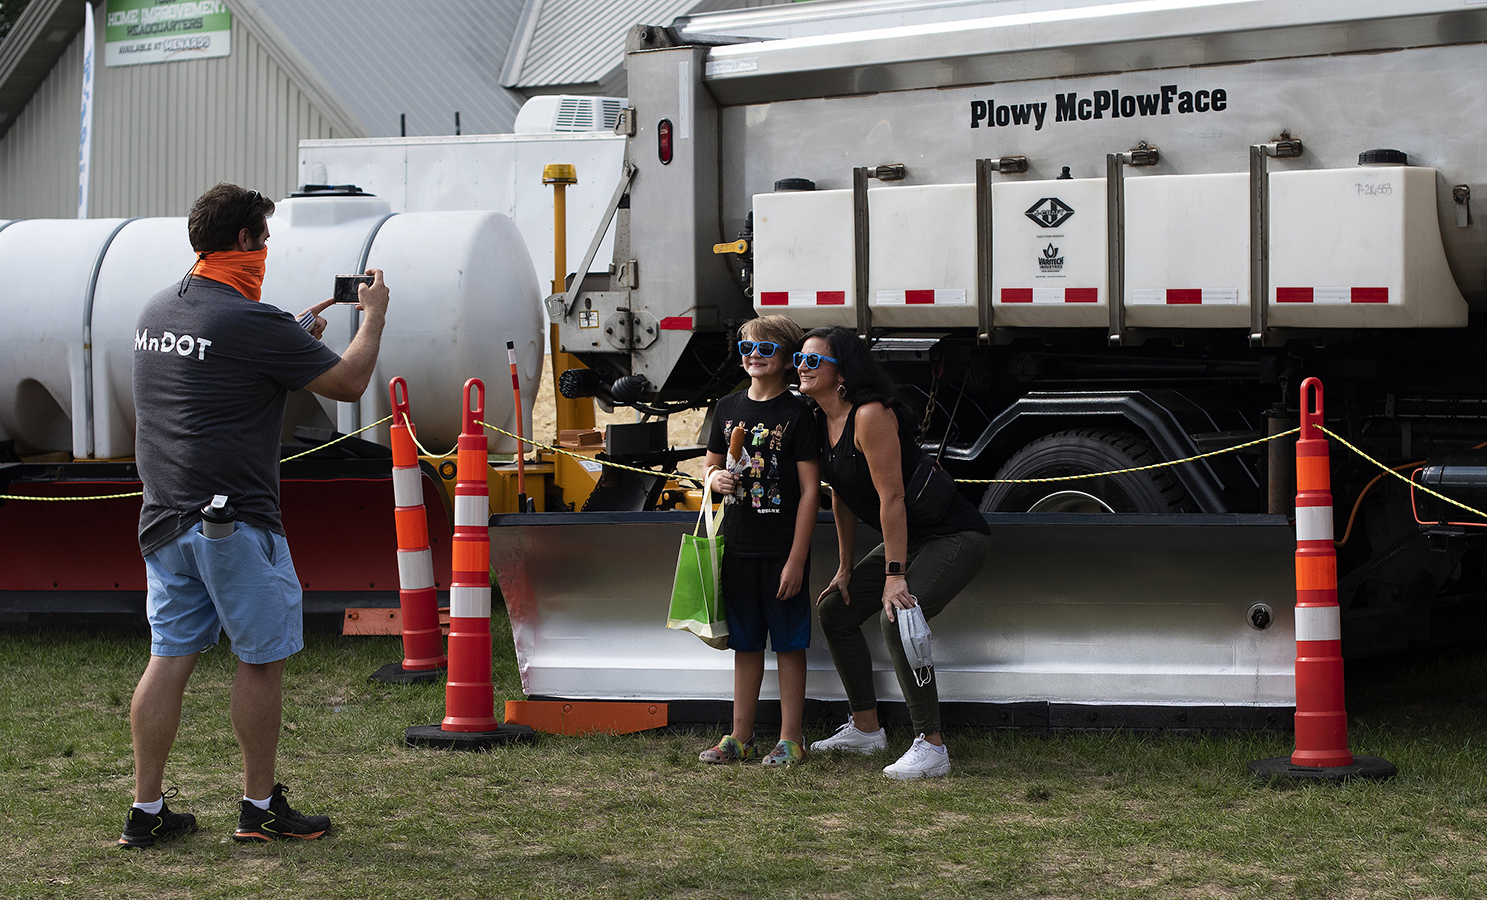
(38, 155)
(162, 133)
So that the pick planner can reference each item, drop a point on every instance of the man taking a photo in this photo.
(213, 369)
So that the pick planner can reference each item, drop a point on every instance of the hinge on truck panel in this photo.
(628, 276)
(630, 330)
(889, 172)
(1462, 194)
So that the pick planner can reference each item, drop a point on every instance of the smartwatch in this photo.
(894, 568)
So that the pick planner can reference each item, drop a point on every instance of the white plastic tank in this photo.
(46, 266)
(1187, 251)
(145, 256)
(803, 257)
(1359, 248)
(462, 285)
(922, 256)
(1048, 255)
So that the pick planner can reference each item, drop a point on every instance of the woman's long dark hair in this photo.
(864, 379)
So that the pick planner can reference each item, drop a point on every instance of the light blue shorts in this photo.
(244, 584)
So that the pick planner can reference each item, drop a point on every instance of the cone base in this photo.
(1374, 767)
(437, 738)
(394, 673)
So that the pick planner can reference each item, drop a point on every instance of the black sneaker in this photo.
(278, 821)
(141, 829)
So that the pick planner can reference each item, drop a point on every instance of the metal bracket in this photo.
(628, 275)
(1462, 194)
(1115, 231)
(860, 175)
(985, 320)
(888, 172)
(625, 123)
(1259, 230)
(570, 299)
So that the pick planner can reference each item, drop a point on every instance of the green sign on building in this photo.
(151, 31)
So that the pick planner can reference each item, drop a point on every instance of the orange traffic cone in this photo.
(469, 696)
(1321, 715)
(423, 642)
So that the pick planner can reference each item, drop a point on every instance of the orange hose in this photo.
(1347, 532)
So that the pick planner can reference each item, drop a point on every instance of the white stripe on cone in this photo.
(471, 511)
(469, 602)
(1318, 623)
(407, 486)
(1313, 523)
(416, 569)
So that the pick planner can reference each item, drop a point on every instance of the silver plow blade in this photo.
(1113, 610)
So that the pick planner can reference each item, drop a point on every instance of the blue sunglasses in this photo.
(765, 349)
(812, 360)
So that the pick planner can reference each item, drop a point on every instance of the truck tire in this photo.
(1083, 451)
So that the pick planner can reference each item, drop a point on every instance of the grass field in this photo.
(1079, 815)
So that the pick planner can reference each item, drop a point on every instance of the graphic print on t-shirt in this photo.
(775, 436)
(758, 480)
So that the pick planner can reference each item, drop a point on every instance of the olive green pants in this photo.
(939, 568)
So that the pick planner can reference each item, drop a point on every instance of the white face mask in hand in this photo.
(913, 630)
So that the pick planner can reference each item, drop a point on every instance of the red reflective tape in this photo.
(912, 297)
(1082, 295)
(831, 298)
(774, 298)
(1370, 295)
(676, 323)
(1017, 295)
(1176, 296)
(1292, 295)
(1319, 597)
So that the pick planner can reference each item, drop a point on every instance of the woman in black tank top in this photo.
(868, 453)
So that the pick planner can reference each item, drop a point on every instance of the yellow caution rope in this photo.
(1413, 485)
(142, 493)
(1160, 465)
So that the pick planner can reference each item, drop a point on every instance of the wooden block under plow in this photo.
(586, 717)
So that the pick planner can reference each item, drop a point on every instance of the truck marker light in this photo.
(663, 141)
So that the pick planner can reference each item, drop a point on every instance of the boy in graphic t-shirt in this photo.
(769, 476)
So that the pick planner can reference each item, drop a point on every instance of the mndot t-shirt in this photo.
(212, 372)
(779, 433)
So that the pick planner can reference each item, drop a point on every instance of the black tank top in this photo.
(846, 470)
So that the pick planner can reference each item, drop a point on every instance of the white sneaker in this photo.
(848, 738)
(924, 760)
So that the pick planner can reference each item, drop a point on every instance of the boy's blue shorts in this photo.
(244, 584)
(749, 588)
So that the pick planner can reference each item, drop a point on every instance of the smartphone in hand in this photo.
(345, 291)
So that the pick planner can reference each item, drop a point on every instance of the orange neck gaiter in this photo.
(241, 269)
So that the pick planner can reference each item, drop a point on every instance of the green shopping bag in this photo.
(696, 592)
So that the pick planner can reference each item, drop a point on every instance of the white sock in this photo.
(261, 804)
(938, 748)
(152, 808)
